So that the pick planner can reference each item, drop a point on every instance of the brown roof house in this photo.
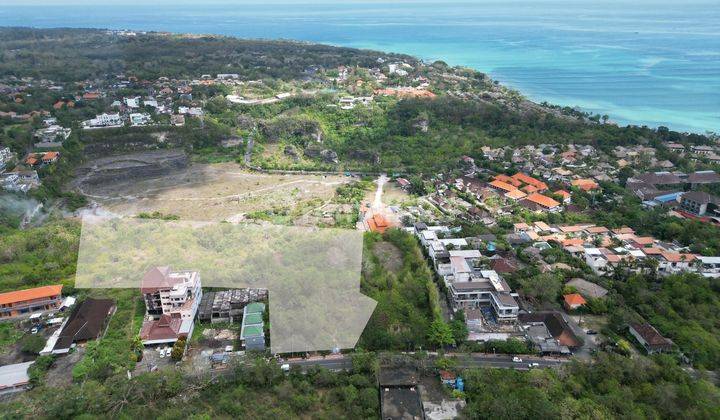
(172, 299)
(88, 322)
(650, 338)
(549, 332)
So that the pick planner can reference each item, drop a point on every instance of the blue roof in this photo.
(668, 197)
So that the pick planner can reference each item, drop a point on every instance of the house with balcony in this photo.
(470, 287)
(172, 299)
(29, 301)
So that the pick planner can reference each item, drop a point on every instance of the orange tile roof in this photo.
(623, 230)
(564, 194)
(526, 179)
(573, 242)
(30, 294)
(502, 185)
(597, 229)
(574, 299)
(542, 225)
(543, 200)
(572, 228)
(508, 180)
(521, 226)
(378, 223)
(652, 251)
(585, 184)
(31, 161)
(50, 155)
(515, 194)
(530, 189)
(644, 240)
(677, 257)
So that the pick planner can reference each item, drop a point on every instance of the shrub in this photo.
(32, 343)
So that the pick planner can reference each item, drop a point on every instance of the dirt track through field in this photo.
(214, 192)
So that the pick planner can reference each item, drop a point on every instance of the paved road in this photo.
(331, 364)
(465, 361)
(505, 361)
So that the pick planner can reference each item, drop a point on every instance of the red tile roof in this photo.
(165, 328)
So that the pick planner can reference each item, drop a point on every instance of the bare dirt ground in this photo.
(60, 374)
(390, 257)
(214, 192)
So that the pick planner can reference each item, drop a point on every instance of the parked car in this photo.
(34, 330)
(285, 367)
(532, 365)
(591, 332)
(517, 359)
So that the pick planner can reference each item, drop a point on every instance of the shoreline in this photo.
(525, 91)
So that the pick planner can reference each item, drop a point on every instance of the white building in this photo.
(132, 103)
(171, 292)
(104, 120)
(6, 156)
(53, 133)
(139, 119)
(709, 266)
(172, 299)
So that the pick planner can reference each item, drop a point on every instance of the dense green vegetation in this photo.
(407, 298)
(415, 136)
(685, 308)
(116, 352)
(611, 387)
(39, 256)
(258, 389)
(71, 55)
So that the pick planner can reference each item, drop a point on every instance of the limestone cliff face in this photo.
(133, 166)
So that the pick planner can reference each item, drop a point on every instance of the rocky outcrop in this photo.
(327, 155)
(365, 155)
(292, 152)
(134, 166)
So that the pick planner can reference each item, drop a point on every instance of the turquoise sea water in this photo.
(651, 62)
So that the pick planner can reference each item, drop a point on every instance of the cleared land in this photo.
(214, 192)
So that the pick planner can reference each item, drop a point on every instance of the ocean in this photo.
(652, 62)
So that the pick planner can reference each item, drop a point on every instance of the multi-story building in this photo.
(171, 292)
(171, 299)
(6, 157)
(104, 120)
(28, 301)
(471, 287)
(699, 203)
